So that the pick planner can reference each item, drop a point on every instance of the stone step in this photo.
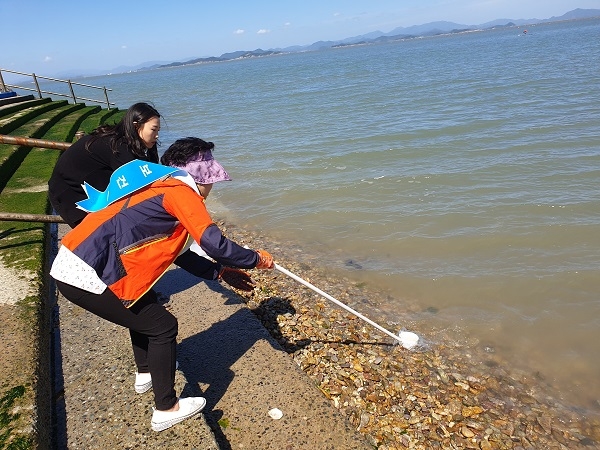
(8, 98)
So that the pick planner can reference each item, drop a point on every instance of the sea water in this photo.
(460, 173)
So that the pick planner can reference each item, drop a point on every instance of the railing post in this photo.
(37, 85)
(3, 86)
(72, 92)
(7, 87)
(106, 96)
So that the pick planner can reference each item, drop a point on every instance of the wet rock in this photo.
(546, 423)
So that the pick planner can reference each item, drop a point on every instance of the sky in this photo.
(52, 37)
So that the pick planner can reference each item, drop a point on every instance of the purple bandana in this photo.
(205, 169)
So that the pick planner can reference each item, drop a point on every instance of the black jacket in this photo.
(94, 166)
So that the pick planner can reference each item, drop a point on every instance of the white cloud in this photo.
(263, 31)
(239, 32)
(337, 14)
(287, 24)
(123, 47)
(47, 59)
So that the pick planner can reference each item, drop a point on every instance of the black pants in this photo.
(153, 332)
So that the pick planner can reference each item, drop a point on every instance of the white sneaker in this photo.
(143, 381)
(188, 407)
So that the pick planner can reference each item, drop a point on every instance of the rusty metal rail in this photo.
(40, 143)
(30, 142)
(18, 217)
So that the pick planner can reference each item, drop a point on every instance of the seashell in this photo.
(364, 420)
(466, 432)
(275, 413)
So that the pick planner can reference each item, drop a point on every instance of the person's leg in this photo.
(139, 341)
(161, 355)
(149, 319)
(198, 265)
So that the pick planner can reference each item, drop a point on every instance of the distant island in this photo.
(376, 37)
(397, 34)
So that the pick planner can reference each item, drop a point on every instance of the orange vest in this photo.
(132, 242)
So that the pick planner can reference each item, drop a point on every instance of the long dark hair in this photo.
(127, 131)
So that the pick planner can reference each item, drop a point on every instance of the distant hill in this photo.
(428, 29)
(223, 57)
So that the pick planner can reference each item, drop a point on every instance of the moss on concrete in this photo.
(25, 375)
(9, 420)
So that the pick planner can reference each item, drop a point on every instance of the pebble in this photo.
(275, 413)
(438, 396)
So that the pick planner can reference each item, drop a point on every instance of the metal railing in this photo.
(4, 87)
(39, 143)
(31, 142)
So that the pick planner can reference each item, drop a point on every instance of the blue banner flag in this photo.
(125, 180)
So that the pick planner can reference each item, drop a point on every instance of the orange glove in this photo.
(236, 278)
(265, 260)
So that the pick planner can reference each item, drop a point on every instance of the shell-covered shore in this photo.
(437, 395)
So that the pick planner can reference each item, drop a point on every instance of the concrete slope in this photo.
(224, 354)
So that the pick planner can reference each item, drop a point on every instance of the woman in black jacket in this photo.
(95, 157)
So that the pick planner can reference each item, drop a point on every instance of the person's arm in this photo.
(198, 265)
(204, 268)
(189, 208)
(226, 251)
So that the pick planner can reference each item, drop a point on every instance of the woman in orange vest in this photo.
(114, 256)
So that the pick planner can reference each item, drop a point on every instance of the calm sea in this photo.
(460, 173)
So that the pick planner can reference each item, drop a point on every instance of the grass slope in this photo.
(23, 189)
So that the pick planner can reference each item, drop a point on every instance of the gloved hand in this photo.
(236, 278)
(265, 260)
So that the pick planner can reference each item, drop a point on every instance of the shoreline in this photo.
(436, 396)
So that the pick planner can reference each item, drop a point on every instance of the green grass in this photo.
(10, 110)
(12, 156)
(21, 243)
(9, 123)
(7, 421)
(102, 117)
(64, 131)
(23, 189)
(38, 127)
